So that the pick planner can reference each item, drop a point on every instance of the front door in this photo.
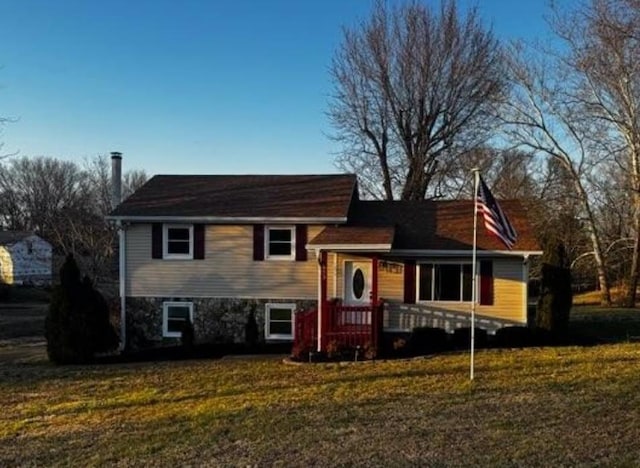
(357, 283)
(357, 292)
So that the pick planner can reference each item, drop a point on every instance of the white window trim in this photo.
(165, 317)
(292, 255)
(267, 320)
(165, 242)
(445, 262)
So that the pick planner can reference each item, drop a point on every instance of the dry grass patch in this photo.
(535, 406)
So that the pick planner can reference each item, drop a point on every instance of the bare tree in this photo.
(66, 204)
(542, 116)
(510, 173)
(132, 180)
(415, 87)
(98, 170)
(37, 189)
(603, 39)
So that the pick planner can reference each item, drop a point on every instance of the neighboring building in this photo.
(25, 258)
(215, 249)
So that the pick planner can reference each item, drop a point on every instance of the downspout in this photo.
(319, 318)
(525, 288)
(122, 238)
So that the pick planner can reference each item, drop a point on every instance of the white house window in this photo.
(174, 318)
(279, 321)
(280, 243)
(178, 241)
(450, 282)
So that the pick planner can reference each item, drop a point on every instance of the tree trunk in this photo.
(605, 292)
(632, 282)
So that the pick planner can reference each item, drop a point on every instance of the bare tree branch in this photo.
(415, 88)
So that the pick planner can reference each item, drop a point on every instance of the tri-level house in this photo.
(220, 249)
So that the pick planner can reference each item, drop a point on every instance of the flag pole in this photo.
(474, 272)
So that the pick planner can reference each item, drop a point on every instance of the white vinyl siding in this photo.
(228, 269)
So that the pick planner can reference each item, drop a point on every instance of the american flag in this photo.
(495, 220)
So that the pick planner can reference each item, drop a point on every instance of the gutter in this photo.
(382, 248)
(457, 253)
(228, 219)
(122, 239)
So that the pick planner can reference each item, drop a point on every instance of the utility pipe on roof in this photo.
(116, 179)
(116, 198)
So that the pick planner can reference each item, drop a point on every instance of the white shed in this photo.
(25, 258)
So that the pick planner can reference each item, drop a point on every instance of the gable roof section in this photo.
(354, 238)
(434, 225)
(11, 237)
(236, 198)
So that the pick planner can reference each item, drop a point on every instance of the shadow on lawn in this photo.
(203, 351)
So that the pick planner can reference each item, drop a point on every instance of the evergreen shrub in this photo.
(77, 325)
(462, 338)
(425, 340)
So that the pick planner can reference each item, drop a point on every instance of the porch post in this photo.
(322, 300)
(374, 280)
(376, 321)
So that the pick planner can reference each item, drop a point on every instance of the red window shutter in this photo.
(258, 242)
(301, 242)
(198, 241)
(410, 282)
(156, 240)
(486, 282)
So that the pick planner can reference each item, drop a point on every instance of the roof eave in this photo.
(383, 248)
(228, 219)
(457, 253)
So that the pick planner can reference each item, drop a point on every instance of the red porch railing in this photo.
(305, 338)
(345, 326)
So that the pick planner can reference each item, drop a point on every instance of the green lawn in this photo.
(606, 324)
(544, 407)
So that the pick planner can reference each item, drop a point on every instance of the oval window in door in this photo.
(357, 285)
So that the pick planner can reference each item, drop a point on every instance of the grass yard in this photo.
(543, 407)
(606, 324)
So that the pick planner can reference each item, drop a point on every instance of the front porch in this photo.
(350, 320)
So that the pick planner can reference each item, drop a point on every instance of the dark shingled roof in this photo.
(11, 237)
(354, 235)
(242, 196)
(435, 225)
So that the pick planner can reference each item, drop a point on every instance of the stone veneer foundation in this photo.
(215, 320)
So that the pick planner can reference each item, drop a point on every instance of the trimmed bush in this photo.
(5, 292)
(514, 337)
(462, 338)
(187, 336)
(251, 333)
(395, 344)
(77, 325)
(426, 340)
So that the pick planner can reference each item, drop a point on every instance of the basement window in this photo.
(174, 317)
(279, 321)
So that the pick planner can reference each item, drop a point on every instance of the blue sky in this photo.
(235, 86)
